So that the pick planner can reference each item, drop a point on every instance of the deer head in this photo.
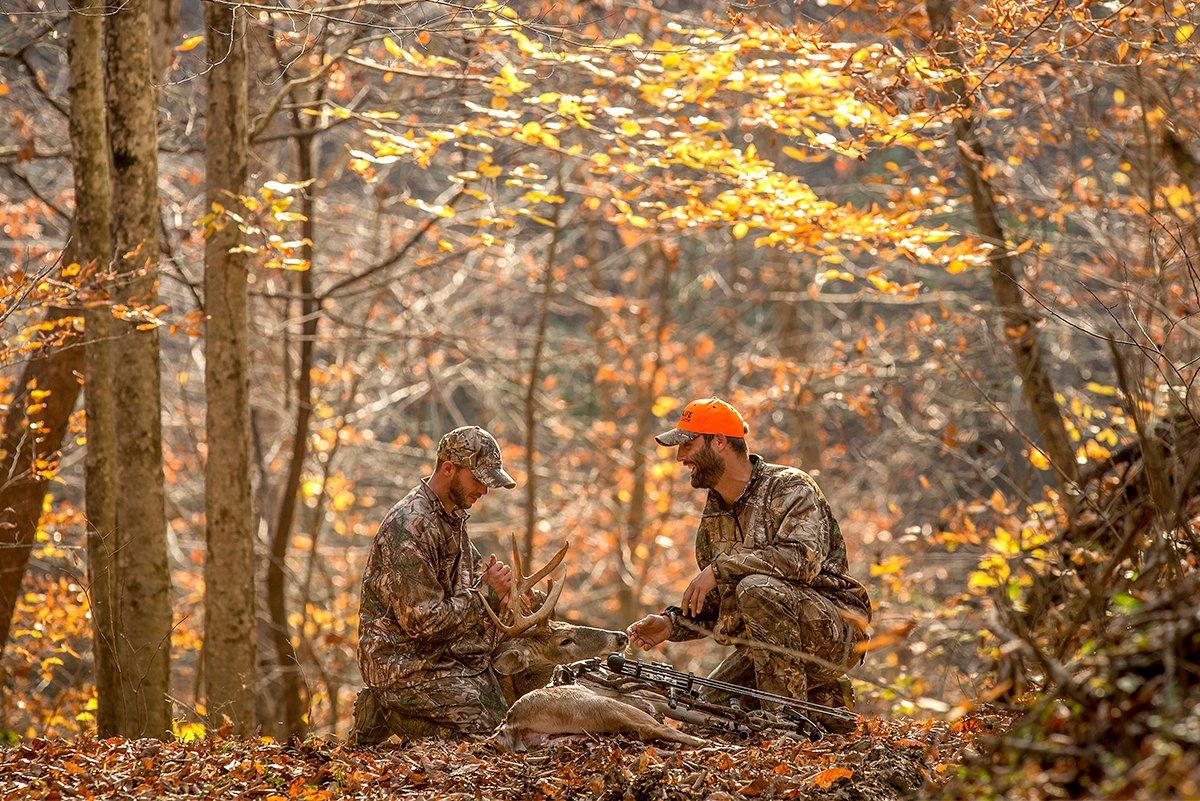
(522, 619)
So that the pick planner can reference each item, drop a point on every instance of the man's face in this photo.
(706, 464)
(465, 489)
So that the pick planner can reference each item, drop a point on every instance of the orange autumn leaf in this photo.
(827, 777)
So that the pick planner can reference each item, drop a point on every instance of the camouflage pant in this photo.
(450, 706)
(794, 642)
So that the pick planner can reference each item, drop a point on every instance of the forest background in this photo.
(950, 275)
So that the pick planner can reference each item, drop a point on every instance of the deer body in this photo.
(574, 709)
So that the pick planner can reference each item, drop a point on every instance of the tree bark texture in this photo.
(292, 724)
(164, 21)
(1020, 326)
(144, 584)
(93, 197)
(229, 620)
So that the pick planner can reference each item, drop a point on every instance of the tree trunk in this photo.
(636, 519)
(229, 622)
(164, 22)
(292, 724)
(93, 197)
(535, 375)
(797, 324)
(33, 433)
(143, 588)
(1020, 326)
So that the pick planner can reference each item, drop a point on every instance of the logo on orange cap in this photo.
(705, 416)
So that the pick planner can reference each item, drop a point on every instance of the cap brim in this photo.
(495, 478)
(676, 436)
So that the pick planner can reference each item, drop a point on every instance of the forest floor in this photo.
(883, 760)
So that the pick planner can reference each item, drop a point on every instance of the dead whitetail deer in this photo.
(533, 642)
(575, 709)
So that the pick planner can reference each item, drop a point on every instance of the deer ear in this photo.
(509, 662)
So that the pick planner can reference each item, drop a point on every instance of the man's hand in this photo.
(650, 631)
(697, 591)
(498, 576)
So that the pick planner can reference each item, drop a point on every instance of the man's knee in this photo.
(757, 594)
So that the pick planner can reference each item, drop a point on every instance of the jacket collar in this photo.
(457, 517)
(757, 467)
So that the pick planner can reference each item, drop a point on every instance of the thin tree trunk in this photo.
(32, 436)
(144, 584)
(285, 653)
(636, 519)
(1020, 326)
(535, 375)
(93, 196)
(164, 21)
(796, 327)
(229, 624)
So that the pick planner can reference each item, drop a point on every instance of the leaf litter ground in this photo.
(884, 760)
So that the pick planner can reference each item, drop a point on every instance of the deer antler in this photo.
(523, 620)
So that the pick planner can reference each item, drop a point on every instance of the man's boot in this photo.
(370, 720)
(837, 695)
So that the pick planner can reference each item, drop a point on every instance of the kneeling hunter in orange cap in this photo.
(774, 581)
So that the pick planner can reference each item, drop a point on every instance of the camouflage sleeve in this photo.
(684, 628)
(799, 544)
(408, 583)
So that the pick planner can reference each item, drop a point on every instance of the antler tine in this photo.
(547, 609)
(500, 624)
(550, 566)
(517, 567)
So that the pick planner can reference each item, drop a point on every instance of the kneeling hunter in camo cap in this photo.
(424, 637)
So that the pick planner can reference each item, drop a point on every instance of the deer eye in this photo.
(565, 641)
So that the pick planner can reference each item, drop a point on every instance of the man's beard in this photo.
(458, 493)
(707, 468)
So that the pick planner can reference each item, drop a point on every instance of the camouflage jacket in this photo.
(780, 526)
(418, 615)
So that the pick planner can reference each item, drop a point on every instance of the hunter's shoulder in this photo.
(414, 515)
(783, 478)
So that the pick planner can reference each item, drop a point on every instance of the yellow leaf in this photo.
(1038, 459)
(1183, 33)
(1122, 50)
(830, 775)
(1101, 389)
(664, 405)
(740, 230)
(189, 43)
(392, 47)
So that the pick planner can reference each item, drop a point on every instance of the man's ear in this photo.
(509, 662)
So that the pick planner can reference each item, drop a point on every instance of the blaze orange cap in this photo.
(704, 416)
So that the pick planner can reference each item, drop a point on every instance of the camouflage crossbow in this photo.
(678, 695)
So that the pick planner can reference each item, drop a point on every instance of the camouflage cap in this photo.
(477, 450)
